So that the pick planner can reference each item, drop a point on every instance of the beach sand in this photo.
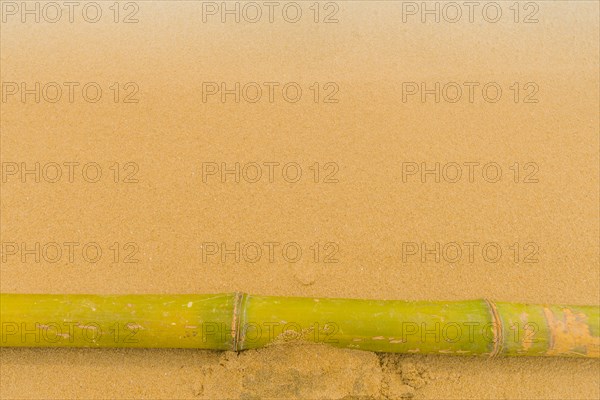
(362, 187)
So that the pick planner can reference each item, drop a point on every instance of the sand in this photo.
(357, 222)
(291, 372)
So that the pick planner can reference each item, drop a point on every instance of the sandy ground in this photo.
(367, 226)
(288, 371)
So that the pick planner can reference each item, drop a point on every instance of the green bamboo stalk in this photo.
(238, 321)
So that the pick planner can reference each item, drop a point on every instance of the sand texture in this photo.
(422, 161)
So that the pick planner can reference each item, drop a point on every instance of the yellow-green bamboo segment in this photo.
(239, 321)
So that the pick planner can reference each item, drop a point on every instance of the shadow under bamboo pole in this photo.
(239, 321)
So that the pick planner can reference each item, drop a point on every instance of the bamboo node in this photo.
(497, 330)
(235, 323)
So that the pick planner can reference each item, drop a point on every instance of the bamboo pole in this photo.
(238, 321)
